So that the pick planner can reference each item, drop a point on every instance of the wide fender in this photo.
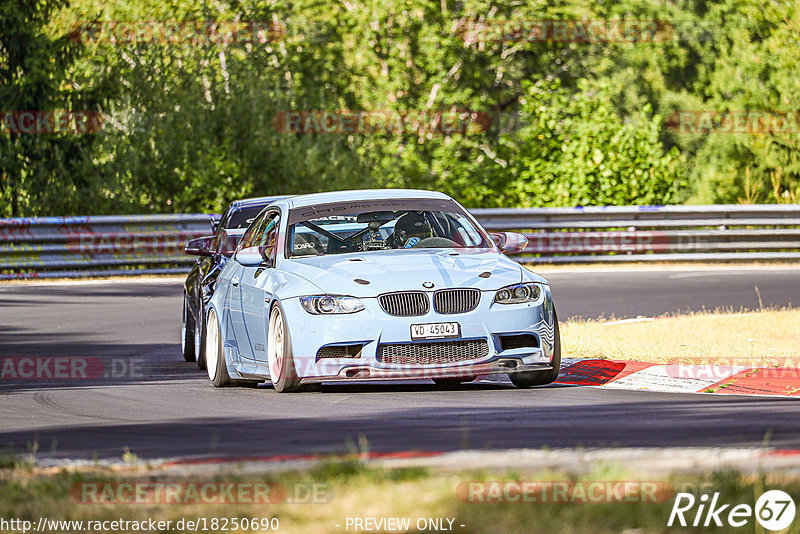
(547, 325)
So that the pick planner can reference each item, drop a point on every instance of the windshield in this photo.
(242, 218)
(232, 226)
(380, 225)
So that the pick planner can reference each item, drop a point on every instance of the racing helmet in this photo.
(412, 224)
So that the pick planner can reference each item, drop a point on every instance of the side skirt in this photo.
(251, 369)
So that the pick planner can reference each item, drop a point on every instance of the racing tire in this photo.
(282, 372)
(200, 341)
(527, 379)
(188, 334)
(215, 357)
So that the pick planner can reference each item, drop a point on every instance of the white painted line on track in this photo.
(657, 378)
(703, 274)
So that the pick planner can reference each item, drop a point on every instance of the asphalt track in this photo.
(157, 406)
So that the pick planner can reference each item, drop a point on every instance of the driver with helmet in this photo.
(409, 230)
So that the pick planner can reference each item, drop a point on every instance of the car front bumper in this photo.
(372, 327)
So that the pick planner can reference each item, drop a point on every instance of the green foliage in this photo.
(189, 126)
(40, 170)
(577, 151)
(753, 66)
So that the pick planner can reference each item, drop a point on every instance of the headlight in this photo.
(518, 294)
(328, 304)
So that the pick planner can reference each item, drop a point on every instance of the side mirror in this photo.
(510, 242)
(250, 256)
(200, 246)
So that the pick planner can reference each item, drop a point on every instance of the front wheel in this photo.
(282, 372)
(526, 379)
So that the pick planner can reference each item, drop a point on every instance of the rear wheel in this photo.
(188, 333)
(200, 340)
(282, 372)
(527, 379)
(215, 357)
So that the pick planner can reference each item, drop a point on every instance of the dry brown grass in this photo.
(768, 338)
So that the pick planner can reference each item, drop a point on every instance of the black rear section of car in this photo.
(200, 281)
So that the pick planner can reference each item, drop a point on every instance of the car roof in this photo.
(244, 203)
(358, 195)
(255, 202)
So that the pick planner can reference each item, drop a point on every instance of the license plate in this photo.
(434, 330)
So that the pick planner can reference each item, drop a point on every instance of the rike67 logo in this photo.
(774, 510)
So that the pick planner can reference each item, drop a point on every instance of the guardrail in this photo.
(652, 233)
(153, 244)
(53, 247)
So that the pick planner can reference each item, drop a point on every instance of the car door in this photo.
(257, 286)
(238, 273)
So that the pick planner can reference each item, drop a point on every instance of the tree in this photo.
(39, 172)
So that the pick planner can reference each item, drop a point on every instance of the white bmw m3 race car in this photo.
(377, 285)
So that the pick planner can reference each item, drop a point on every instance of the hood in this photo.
(399, 270)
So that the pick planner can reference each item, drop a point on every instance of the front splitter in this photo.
(365, 372)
